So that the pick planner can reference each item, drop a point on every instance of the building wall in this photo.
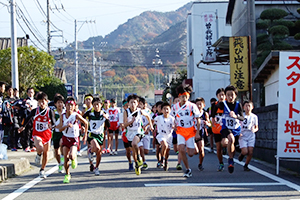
(271, 88)
(266, 137)
(205, 83)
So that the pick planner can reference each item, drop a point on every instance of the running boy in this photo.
(185, 113)
(217, 126)
(165, 125)
(232, 114)
(247, 136)
(133, 123)
(43, 122)
(98, 120)
(59, 103)
(69, 125)
(200, 102)
(113, 112)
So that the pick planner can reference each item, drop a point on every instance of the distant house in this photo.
(61, 74)
(5, 43)
(158, 95)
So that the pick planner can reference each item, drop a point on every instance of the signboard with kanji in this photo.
(239, 62)
(288, 136)
(210, 36)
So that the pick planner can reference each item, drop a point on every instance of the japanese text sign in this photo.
(239, 62)
(288, 135)
(210, 36)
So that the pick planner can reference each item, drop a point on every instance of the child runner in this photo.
(155, 133)
(59, 103)
(98, 120)
(247, 136)
(232, 114)
(41, 134)
(209, 130)
(69, 125)
(174, 141)
(200, 102)
(113, 112)
(88, 98)
(144, 144)
(133, 123)
(185, 113)
(217, 126)
(153, 115)
(125, 140)
(106, 133)
(165, 124)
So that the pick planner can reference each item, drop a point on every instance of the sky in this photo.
(95, 17)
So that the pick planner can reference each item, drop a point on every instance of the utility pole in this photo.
(14, 52)
(157, 62)
(76, 55)
(94, 70)
(48, 28)
(100, 75)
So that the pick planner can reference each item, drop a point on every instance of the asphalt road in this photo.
(117, 182)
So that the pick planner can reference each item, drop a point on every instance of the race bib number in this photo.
(232, 123)
(41, 126)
(246, 124)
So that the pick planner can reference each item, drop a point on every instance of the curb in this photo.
(15, 167)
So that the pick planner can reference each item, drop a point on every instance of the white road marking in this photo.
(213, 184)
(35, 181)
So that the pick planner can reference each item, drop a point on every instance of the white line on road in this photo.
(213, 184)
(35, 181)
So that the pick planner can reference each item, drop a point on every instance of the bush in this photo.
(261, 38)
(283, 22)
(266, 46)
(55, 86)
(273, 13)
(297, 36)
(282, 46)
(297, 24)
(263, 24)
(279, 30)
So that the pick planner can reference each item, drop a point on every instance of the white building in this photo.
(205, 24)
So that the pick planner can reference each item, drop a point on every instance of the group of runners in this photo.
(182, 125)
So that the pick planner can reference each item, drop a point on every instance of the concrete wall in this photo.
(272, 87)
(205, 83)
(266, 138)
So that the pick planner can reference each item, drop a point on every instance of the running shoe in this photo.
(42, 174)
(145, 166)
(246, 168)
(179, 167)
(241, 157)
(14, 149)
(188, 173)
(92, 167)
(38, 159)
(137, 170)
(74, 163)
(177, 152)
(159, 165)
(115, 152)
(79, 154)
(200, 167)
(130, 166)
(111, 153)
(62, 160)
(211, 150)
(140, 163)
(27, 149)
(67, 178)
(153, 150)
(33, 149)
(230, 165)
(221, 167)
(103, 151)
(97, 173)
(60, 168)
(108, 151)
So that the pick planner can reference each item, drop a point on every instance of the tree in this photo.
(182, 75)
(35, 67)
(274, 30)
(54, 86)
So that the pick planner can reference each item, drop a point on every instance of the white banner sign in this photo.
(210, 36)
(288, 136)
